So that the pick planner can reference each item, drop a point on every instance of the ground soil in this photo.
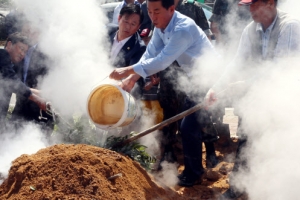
(83, 172)
(79, 172)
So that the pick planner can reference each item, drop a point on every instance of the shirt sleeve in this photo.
(151, 63)
(288, 40)
(201, 19)
(13, 82)
(219, 10)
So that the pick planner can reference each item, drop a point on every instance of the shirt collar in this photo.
(122, 41)
(259, 27)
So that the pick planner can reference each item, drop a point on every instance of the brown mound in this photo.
(79, 172)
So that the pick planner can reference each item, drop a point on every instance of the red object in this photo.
(145, 32)
(247, 2)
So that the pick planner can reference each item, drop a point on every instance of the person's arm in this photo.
(15, 85)
(179, 42)
(39, 101)
(289, 40)
(153, 48)
(214, 26)
(128, 83)
(151, 63)
(219, 11)
(201, 19)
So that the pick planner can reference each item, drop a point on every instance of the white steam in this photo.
(14, 144)
(270, 111)
(73, 36)
(168, 175)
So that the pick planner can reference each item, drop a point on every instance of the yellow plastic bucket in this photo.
(109, 106)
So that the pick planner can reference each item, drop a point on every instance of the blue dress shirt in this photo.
(182, 40)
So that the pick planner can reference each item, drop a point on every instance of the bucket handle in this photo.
(99, 82)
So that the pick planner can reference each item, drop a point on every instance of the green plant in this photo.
(81, 130)
(134, 150)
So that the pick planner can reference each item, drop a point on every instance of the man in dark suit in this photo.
(127, 46)
(15, 50)
(30, 71)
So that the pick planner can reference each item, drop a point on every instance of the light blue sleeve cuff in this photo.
(138, 68)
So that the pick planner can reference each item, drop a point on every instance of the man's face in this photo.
(128, 25)
(159, 16)
(16, 51)
(260, 10)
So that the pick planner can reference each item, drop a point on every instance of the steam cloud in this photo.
(14, 144)
(270, 113)
(73, 36)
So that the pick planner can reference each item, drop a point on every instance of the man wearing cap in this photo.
(271, 35)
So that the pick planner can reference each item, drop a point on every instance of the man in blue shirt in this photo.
(175, 38)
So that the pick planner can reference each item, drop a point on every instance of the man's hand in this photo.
(39, 101)
(128, 83)
(210, 98)
(35, 91)
(121, 73)
(154, 81)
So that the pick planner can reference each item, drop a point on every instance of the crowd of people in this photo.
(155, 43)
(177, 41)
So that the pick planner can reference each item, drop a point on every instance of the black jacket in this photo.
(10, 83)
(131, 52)
(37, 69)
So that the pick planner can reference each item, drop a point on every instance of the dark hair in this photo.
(130, 9)
(17, 37)
(275, 1)
(165, 3)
